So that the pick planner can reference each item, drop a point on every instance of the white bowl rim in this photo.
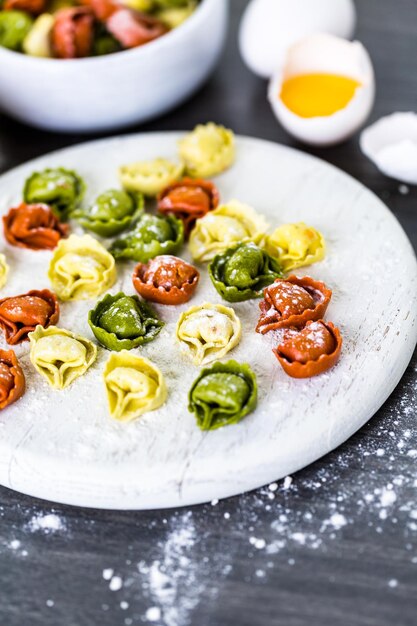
(197, 16)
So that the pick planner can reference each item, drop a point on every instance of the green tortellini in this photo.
(122, 322)
(150, 177)
(60, 188)
(227, 225)
(104, 42)
(81, 268)
(223, 394)
(60, 355)
(208, 331)
(208, 150)
(4, 270)
(113, 211)
(14, 27)
(134, 385)
(153, 235)
(242, 272)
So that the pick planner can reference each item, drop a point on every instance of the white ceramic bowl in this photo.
(103, 93)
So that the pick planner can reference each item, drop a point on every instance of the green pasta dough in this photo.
(112, 212)
(122, 322)
(223, 394)
(153, 235)
(61, 189)
(243, 271)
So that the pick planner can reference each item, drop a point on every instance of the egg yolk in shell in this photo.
(317, 95)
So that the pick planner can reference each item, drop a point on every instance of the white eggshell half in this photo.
(269, 27)
(331, 55)
(391, 143)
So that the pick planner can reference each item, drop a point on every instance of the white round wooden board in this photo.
(63, 446)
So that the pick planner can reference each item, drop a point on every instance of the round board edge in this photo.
(187, 496)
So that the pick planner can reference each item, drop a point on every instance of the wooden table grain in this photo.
(335, 545)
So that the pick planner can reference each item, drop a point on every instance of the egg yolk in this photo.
(314, 95)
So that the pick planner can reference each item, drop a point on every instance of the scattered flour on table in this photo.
(48, 523)
(187, 566)
(175, 579)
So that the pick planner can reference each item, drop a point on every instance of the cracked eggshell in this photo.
(391, 143)
(330, 55)
(269, 27)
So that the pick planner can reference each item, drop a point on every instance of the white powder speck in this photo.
(226, 515)
(337, 520)
(287, 482)
(260, 573)
(49, 523)
(259, 544)
(108, 573)
(116, 583)
(14, 544)
(153, 614)
(50, 603)
(214, 502)
(273, 486)
(388, 497)
(404, 190)
(299, 538)
(380, 452)
(124, 605)
(393, 583)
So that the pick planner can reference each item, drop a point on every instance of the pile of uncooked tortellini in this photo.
(243, 260)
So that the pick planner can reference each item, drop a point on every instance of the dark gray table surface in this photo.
(337, 546)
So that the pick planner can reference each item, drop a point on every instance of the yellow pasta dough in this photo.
(296, 245)
(208, 150)
(81, 268)
(150, 177)
(134, 385)
(227, 225)
(208, 331)
(4, 270)
(60, 355)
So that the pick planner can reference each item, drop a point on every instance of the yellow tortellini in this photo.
(208, 150)
(227, 225)
(150, 177)
(37, 42)
(296, 245)
(208, 331)
(139, 5)
(60, 355)
(81, 268)
(175, 16)
(4, 270)
(134, 385)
